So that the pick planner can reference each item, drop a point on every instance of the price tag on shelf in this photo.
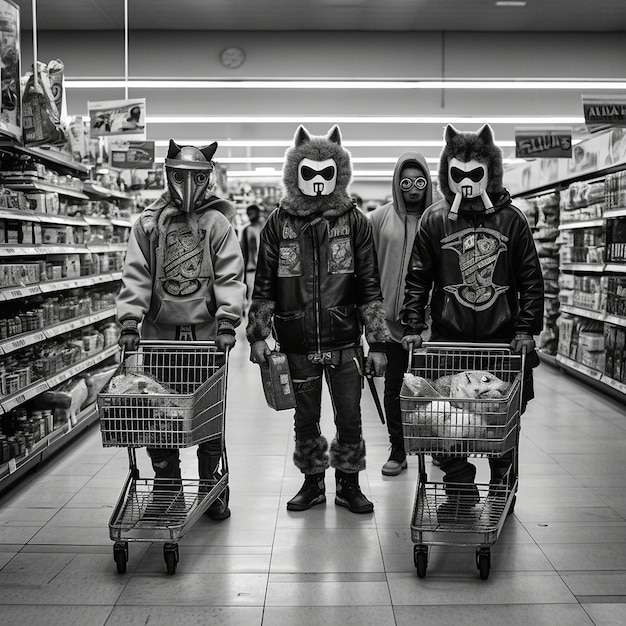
(24, 395)
(21, 342)
(14, 293)
(615, 384)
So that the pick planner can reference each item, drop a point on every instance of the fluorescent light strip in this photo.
(285, 143)
(550, 84)
(365, 119)
(357, 160)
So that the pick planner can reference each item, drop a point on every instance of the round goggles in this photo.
(406, 184)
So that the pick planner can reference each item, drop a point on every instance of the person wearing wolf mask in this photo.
(316, 287)
(474, 249)
(183, 279)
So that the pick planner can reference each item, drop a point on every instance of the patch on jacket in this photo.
(341, 259)
(478, 251)
(289, 261)
(182, 262)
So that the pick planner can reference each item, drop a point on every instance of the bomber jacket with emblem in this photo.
(319, 274)
(182, 270)
(476, 266)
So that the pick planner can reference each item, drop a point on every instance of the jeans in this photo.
(397, 363)
(345, 384)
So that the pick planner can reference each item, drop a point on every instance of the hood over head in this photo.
(410, 158)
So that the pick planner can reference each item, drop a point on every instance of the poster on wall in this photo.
(10, 102)
(109, 118)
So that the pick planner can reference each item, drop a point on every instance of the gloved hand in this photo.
(411, 341)
(522, 342)
(225, 341)
(375, 363)
(129, 337)
(259, 351)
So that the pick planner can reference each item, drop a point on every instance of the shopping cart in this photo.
(190, 412)
(444, 425)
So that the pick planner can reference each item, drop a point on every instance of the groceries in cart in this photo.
(156, 412)
(135, 382)
(471, 404)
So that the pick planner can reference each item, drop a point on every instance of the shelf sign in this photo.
(132, 154)
(542, 143)
(604, 112)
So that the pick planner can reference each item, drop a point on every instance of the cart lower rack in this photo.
(169, 395)
(461, 400)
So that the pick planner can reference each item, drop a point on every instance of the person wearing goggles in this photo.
(394, 226)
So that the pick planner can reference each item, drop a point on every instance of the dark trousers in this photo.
(397, 363)
(345, 385)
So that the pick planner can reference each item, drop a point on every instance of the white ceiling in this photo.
(217, 21)
(327, 15)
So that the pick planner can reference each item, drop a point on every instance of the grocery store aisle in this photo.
(561, 558)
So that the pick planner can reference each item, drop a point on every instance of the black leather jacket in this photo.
(318, 271)
(484, 273)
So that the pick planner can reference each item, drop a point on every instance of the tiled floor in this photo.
(560, 559)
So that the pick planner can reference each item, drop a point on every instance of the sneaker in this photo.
(395, 464)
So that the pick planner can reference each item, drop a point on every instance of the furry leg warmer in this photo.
(347, 457)
(311, 455)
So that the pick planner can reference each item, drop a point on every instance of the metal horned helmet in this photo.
(188, 171)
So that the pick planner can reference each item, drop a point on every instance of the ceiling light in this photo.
(546, 83)
(511, 3)
(365, 119)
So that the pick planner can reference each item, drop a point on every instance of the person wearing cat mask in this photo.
(183, 280)
(475, 251)
(316, 289)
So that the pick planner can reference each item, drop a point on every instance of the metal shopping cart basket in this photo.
(167, 395)
(446, 412)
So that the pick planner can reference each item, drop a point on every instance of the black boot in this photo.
(502, 480)
(166, 466)
(209, 476)
(167, 498)
(312, 492)
(461, 492)
(349, 494)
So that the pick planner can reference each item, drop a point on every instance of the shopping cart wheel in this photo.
(420, 558)
(170, 554)
(483, 562)
(120, 555)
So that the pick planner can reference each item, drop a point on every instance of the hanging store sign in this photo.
(118, 117)
(132, 154)
(541, 143)
(604, 112)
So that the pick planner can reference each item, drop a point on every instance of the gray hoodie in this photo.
(394, 230)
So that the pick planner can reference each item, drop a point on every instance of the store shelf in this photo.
(50, 156)
(27, 393)
(28, 291)
(582, 224)
(595, 268)
(14, 470)
(28, 339)
(33, 186)
(598, 379)
(53, 172)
